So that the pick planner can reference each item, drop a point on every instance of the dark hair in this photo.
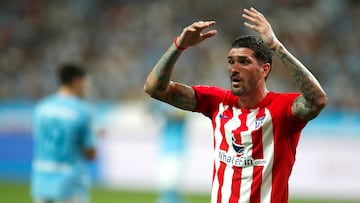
(68, 72)
(255, 43)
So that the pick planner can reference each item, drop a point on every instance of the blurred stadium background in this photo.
(120, 41)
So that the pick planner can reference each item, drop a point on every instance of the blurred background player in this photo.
(172, 148)
(62, 142)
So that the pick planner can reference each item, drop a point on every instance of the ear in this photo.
(266, 68)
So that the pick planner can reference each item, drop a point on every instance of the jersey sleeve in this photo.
(208, 99)
(296, 123)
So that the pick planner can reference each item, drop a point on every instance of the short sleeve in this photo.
(289, 98)
(208, 99)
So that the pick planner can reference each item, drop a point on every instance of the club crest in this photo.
(259, 121)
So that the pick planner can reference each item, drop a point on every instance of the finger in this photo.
(251, 26)
(257, 13)
(208, 34)
(210, 23)
(191, 29)
(250, 18)
(252, 13)
(254, 10)
(203, 24)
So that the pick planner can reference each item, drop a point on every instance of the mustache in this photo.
(236, 76)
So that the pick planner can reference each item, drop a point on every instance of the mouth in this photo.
(235, 80)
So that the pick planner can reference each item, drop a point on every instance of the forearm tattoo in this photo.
(304, 107)
(163, 68)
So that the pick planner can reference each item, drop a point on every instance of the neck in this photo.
(67, 91)
(252, 100)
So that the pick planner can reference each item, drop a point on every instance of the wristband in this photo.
(178, 46)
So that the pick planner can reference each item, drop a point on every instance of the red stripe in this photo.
(214, 169)
(228, 114)
(236, 182)
(236, 179)
(214, 172)
(257, 153)
(221, 180)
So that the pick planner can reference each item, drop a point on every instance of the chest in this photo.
(240, 129)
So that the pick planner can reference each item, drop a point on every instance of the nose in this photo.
(234, 69)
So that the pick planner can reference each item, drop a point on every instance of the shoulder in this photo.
(284, 97)
(211, 90)
(82, 106)
(45, 101)
(213, 95)
(282, 104)
(209, 98)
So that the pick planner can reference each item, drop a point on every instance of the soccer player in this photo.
(62, 142)
(172, 148)
(256, 131)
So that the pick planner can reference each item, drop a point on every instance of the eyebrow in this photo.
(238, 57)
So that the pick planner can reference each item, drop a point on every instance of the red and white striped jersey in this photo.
(254, 149)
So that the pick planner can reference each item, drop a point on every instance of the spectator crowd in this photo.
(120, 41)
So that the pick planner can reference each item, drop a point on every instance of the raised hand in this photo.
(192, 34)
(259, 24)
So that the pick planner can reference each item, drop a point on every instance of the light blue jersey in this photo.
(173, 138)
(61, 133)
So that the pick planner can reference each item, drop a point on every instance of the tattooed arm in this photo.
(159, 86)
(313, 98)
(158, 83)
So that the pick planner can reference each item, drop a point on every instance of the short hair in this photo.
(255, 43)
(68, 72)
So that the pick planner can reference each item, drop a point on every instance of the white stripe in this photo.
(215, 187)
(226, 189)
(218, 139)
(247, 172)
(268, 149)
(229, 171)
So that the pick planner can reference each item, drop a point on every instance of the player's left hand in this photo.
(259, 24)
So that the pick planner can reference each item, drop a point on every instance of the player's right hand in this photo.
(193, 35)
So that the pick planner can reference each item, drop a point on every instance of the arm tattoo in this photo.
(159, 86)
(164, 67)
(184, 98)
(308, 105)
(302, 109)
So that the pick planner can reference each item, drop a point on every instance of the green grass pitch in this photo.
(19, 193)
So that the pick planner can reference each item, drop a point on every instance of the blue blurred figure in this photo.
(63, 141)
(172, 142)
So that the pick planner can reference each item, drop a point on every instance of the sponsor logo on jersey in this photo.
(241, 161)
(259, 121)
(239, 148)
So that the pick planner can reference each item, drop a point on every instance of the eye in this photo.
(244, 61)
(231, 61)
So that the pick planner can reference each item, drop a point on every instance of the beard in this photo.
(243, 87)
(239, 91)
